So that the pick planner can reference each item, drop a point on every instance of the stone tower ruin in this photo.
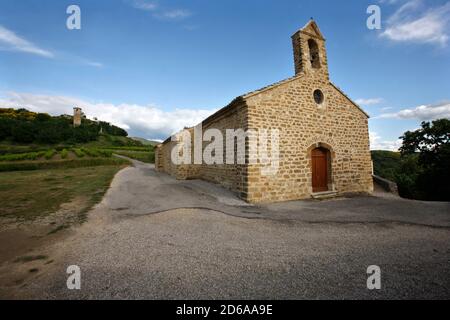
(77, 114)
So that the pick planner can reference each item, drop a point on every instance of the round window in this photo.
(318, 96)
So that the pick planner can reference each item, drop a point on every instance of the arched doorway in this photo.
(320, 168)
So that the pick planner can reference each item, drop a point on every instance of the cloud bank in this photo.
(368, 102)
(413, 22)
(423, 112)
(146, 121)
(377, 144)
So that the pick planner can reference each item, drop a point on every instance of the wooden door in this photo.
(319, 168)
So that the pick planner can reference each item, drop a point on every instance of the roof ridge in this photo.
(353, 102)
(270, 86)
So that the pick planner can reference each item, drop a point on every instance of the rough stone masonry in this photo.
(323, 141)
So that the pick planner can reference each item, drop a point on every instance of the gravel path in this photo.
(157, 238)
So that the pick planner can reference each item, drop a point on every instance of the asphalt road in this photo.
(154, 237)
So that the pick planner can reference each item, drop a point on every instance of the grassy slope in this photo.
(145, 142)
(144, 156)
(51, 188)
(37, 188)
(108, 141)
(59, 164)
(103, 141)
(33, 157)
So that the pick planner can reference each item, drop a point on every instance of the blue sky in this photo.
(156, 66)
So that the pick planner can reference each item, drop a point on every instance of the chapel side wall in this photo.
(231, 176)
(163, 161)
(336, 123)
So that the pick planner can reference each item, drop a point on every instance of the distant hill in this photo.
(146, 142)
(22, 126)
(386, 163)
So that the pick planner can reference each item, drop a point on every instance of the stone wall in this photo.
(336, 124)
(232, 177)
(164, 163)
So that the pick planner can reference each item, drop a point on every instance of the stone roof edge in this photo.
(270, 86)
(316, 28)
(245, 96)
(214, 116)
(348, 98)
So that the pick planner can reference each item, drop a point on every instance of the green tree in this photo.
(431, 145)
(23, 132)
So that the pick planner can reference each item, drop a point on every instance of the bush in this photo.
(79, 153)
(22, 156)
(105, 153)
(23, 132)
(49, 154)
(90, 152)
(64, 153)
(6, 126)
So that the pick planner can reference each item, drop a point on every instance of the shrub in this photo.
(105, 153)
(90, 152)
(64, 153)
(49, 154)
(79, 153)
(22, 156)
(23, 132)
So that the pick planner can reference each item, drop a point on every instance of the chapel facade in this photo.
(323, 135)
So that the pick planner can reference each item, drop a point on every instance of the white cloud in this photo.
(377, 144)
(190, 27)
(424, 112)
(413, 23)
(175, 14)
(161, 13)
(368, 102)
(11, 41)
(94, 64)
(145, 5)
(389, 1)
(146, 121)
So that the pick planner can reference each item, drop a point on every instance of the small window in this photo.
(318, 96)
